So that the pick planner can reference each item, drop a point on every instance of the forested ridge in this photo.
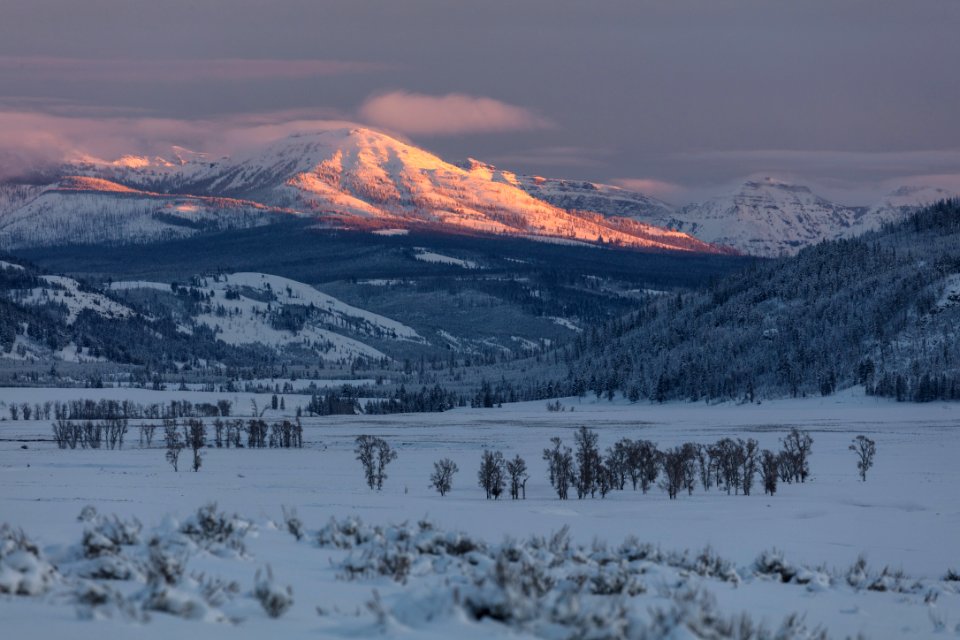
(881, 310)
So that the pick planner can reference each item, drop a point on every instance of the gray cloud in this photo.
(140, 70)
(654, 82)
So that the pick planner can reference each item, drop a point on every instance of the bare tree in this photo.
(588, 461)
(491, 473)
(618, 461)
(385, 455)
(146, 433)
(442, 477)
(195, 435)
(798, 445)
(560, 464)
(866, 449)
(748, 463)
(644, 464)
(517, 470)
(704, 465)
(674, 471)
(769, 471)
(374, 455)
(174, 443)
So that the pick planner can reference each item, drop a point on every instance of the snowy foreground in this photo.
(367, 564)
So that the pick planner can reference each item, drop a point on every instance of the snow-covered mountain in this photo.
(767, 217)
(353, 177)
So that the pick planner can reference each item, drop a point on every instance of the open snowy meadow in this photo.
(847, 557)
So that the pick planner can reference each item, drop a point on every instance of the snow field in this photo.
(906, 516)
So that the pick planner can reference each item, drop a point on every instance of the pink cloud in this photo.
(451, 114)
(176, 70)
(35, 139)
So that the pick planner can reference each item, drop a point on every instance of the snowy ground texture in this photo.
(368, 564)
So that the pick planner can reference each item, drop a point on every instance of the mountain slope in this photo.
(580, 195)
(89, 210)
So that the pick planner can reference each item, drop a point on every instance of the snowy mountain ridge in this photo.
(361, 179)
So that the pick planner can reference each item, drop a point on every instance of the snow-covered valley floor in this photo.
(905, 517)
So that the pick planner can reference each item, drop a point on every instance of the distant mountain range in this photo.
(361, 179)
(763, 216)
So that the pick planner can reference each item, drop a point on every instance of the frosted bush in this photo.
(216, 531)
(274, 599)
(23, 569)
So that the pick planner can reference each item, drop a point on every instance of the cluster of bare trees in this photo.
(29, 411)
(113, 409)
(256, 433)
(730, 464)
(194, 438)
(496, 473)
(87, 434)
(374, 455)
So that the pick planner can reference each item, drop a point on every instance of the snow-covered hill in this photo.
(259, 308)
(354, 178)
(88, 210)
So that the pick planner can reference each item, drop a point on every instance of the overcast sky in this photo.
(678, 97)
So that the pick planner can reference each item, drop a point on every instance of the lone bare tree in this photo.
(866, 449)
(442, 477)
(374, 454)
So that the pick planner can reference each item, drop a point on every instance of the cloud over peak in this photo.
(450, 114)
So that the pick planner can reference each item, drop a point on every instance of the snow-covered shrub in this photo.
(214, 590)
(951, 576)
(165, 598)
(693, 613)
(294, 524)
(274, 599)
(104, 535)
(610, 580)
(23, 569)
(706, 564)
(216, 531)
(166, 561)
(96, 600)
(857, 573)
(346, 533)
(771, 563)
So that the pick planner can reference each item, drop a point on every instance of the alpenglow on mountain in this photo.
(343, 178)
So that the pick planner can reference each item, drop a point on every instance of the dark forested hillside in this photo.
(881, 310)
